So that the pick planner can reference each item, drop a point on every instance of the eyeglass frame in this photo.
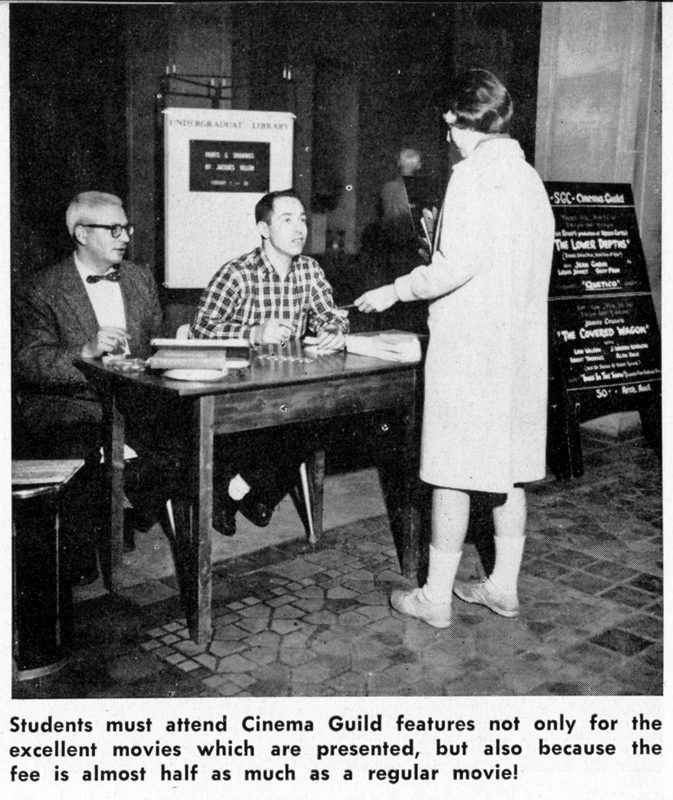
(129, 227)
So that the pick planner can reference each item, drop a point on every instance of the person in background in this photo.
(92, 304)
(405, 203)
(485, 404)
(268, 296)
(402, 202)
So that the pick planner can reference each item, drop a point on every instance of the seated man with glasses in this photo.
(91, 304)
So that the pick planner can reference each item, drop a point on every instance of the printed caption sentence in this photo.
(367, 748)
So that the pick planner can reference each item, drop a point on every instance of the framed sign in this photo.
(217, 164)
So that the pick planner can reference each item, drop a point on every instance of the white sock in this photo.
(508, 557)
(238, 488)
(442, 569)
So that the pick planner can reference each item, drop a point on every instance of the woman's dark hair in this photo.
(480, 102)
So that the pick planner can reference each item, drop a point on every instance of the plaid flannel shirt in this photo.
(248, 291)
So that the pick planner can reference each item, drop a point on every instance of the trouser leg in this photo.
(268, 461)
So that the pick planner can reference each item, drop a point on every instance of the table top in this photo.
(270, 366)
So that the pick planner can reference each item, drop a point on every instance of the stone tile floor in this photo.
(290, 620)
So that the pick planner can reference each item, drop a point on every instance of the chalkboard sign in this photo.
(604, 338)
(607, 346)
(597, 247)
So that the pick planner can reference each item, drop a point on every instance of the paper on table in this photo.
(389, 346)
(35, 472)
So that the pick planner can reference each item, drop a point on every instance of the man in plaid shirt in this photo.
(268, 296)
(274, 293)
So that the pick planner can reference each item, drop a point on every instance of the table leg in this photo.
(113, 449)
(192, 515)
(410, 516)
(315, 468)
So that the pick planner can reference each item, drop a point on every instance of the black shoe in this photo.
(257, 507)
(224, 519)
(135, 520)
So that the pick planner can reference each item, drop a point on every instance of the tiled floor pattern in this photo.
(294, 621)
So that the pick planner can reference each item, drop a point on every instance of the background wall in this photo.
(361, 78)
(599, 115)
(67, 120)
(357, 98)
(599, 105)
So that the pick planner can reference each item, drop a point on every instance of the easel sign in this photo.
(217, 164)
(605, 349)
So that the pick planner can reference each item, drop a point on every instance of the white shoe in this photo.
(414, 603)
(482, 593)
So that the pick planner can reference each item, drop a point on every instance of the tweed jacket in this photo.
(55, 319)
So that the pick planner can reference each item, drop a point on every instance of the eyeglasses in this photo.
(115, 230)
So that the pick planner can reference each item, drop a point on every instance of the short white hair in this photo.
(84, 206)
(409, 157)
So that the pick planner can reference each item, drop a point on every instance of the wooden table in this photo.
(279, 387)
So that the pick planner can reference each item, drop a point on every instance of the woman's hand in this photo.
(377, 299)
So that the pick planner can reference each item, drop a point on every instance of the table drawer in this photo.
(271, 406)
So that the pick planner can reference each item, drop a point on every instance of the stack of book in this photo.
(209, 354)
(387, 345)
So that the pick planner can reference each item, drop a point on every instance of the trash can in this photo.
(42, 598)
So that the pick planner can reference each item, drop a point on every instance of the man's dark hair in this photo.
(264, 207)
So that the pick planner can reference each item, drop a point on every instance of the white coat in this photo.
(485, 405)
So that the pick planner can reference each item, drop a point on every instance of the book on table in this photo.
(212, 354)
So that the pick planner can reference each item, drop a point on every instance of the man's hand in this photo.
(377, 299)
(331, 339)
(273, 331)
(107, 340)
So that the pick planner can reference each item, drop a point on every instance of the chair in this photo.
(306, 485)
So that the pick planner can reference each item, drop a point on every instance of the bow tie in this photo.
(109, 276)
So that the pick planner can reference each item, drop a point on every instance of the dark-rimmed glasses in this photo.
(115, 230)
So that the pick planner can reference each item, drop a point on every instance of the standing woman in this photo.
(485, 406)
